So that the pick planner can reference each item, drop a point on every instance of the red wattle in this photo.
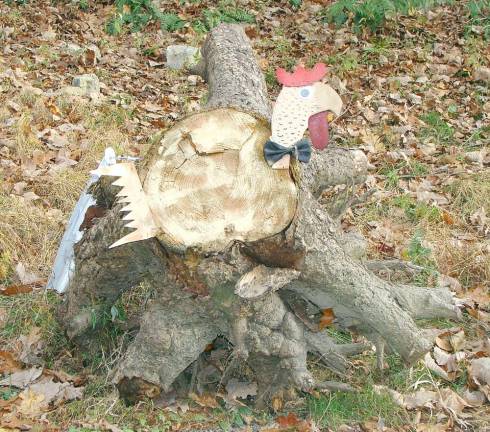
(318, 127)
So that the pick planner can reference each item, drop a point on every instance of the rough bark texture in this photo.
(260, 295)
(233, 76)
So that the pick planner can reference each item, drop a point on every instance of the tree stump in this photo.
(244, 251)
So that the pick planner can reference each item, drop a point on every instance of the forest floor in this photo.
(417, 102)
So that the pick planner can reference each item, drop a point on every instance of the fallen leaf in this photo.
(420, 399)
(451, 340)
(205, 400)
(452, 401)
(22, 378)
(474, 398)
(448, 361)
(16, 289)
(457, 340)
(31, 346)
(289, 420)
(24, 276)
(277, 403)
(327, 318)
(439, 371)
(56, 392)
(32, 404)
(8, 363)
(51, 105)
(479, 375)
(447, 218)
(431, 197)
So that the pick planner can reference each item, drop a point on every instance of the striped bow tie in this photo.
(274, 151)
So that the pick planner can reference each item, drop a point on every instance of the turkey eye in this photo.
(304, 93)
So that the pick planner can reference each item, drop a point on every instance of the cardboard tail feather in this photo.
(139, 215)
(64, 264)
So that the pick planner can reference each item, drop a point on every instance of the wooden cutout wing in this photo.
(139, 213)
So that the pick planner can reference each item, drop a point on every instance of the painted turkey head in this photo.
(303, 103)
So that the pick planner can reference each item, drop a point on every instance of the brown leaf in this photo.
(457, 340)
(277, 403)
(327, 318)
(32, 404)
(16, 289)
(31, 346)
(12, 422)
(205, 400)
(446, 360)
(65, 377)
(447, 217)
(93, 212)
(51, 105)
(474, 398)
(8, 363)
(452, 401)
(289, 420)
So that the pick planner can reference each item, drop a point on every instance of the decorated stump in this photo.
(222, 221)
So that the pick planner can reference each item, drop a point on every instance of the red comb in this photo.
(301, 76)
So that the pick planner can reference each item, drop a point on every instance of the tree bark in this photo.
(260, 295)
(233, 76)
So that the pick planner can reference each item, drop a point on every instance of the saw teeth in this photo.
(138, 210)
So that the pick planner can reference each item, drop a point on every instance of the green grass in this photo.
(437, 129)
(372, 14)
(25, 311)
(417, 211)
(421, 256)
(336, 409)
(479, 16)
(225, 12)
(343, 63)
(407, 169)
(135, 15)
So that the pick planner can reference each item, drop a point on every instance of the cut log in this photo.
(209, 183)
(243, 251)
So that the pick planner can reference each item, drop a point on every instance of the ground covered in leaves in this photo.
(415, 82)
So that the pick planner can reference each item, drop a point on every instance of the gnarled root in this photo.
(171, 337)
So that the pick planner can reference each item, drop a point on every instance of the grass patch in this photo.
(25, 311)
(417, 211)
(225, 12)
(135, 15)
(420, 255)
(407, 169)
(343, 408)
(437, 129)
(372, 14)
(470, 194)
(479, 16)
(27, 234)
(467, 261)
(343, 63)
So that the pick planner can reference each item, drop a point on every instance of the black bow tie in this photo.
(274, 151)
